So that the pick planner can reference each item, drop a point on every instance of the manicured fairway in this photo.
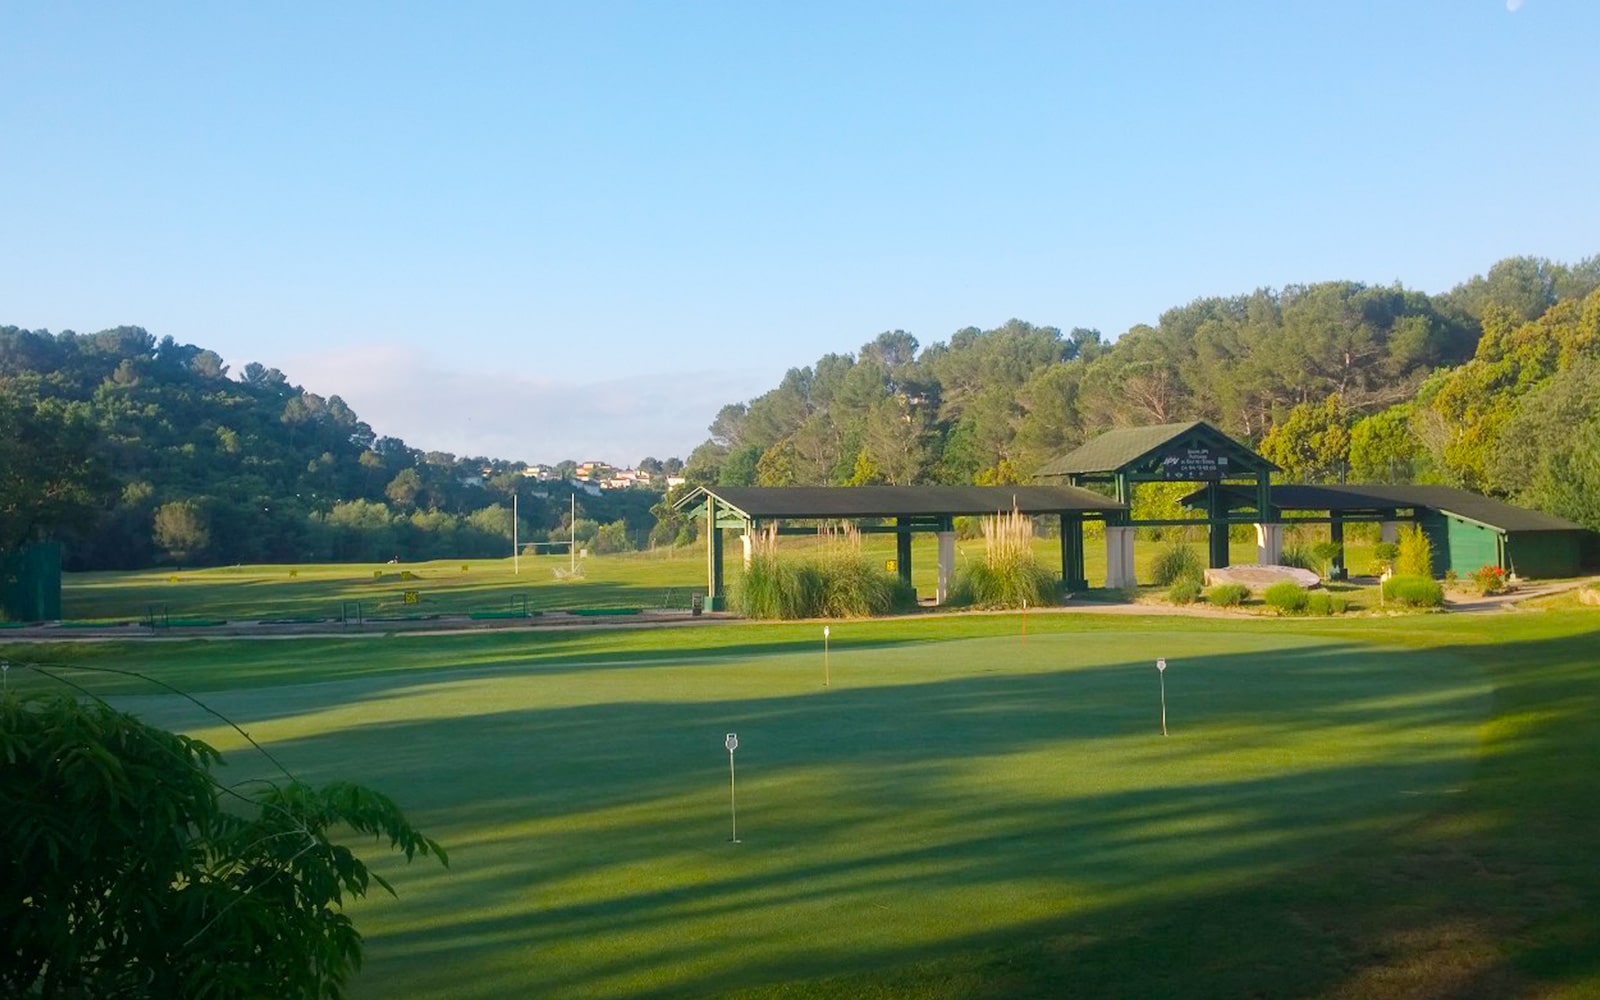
(954, 796)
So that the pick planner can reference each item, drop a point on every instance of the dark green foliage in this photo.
(49, 479)
(1286, 598)
(1184, 590)
(1413, 591)
(1177, 562)
(1228, 595)
(102, 434)
(841, 585)
(124, 875)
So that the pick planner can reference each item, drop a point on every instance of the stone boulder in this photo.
(1259, 578)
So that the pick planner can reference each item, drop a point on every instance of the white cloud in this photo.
(510, 412)
(1514, 5)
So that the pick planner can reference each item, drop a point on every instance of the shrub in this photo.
(1321, 602)
(1326, 553)
(1298, 556)
(1228, 595)
(1416, 553)
(1177, 562)
(1384, 554)
(1286, 597)
(1489, 580)
(1184, 590)
(1413, 591)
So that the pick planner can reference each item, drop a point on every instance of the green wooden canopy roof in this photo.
(1186, 452)
(1373, 498)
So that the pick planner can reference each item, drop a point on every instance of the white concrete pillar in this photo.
(1119, 558)
(1389, 531)
(1269, 544)
(947, 566)
(749, 544)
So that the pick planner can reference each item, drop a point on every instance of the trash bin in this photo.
(697, 604)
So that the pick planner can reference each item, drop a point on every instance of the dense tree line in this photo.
(1492, 385)
(137, 452)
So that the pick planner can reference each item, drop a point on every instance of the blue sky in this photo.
(542, 232)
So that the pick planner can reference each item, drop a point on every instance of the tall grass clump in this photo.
(1177, 562)
(1300, 557)
(1009, 574)
(841, 583)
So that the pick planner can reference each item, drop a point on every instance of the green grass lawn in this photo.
(1351, 809)
(656, 579)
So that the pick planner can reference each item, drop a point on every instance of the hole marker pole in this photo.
(732, 743)
(1161, 672)
(826, 672)
(1024, 621)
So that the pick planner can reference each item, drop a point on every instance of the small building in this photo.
(1467, 530)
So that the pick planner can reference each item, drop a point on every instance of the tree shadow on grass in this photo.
(582, 791)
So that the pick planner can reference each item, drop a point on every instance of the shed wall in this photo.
(1545, 554)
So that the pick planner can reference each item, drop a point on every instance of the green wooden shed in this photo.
(1468, 530)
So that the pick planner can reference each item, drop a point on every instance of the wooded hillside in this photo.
(1494, 385)
(136, 452)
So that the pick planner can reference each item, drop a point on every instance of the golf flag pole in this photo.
(1024, 621)
(1161, 672)
(826, 673)
(732, 743)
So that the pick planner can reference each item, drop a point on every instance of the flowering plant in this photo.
(1490, 580)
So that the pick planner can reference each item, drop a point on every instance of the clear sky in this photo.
(541, 231)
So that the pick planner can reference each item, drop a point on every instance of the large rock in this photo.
(1259, 578)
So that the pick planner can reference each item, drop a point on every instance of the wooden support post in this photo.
(1217, 518)
(1073, 576)
(902, 553)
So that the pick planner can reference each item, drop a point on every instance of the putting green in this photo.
(938, 795)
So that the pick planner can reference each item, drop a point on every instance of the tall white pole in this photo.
(516, 551)
(572, 529)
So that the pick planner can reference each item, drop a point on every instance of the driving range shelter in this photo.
(1192, 452)
(901, 510)
(1466, 530)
